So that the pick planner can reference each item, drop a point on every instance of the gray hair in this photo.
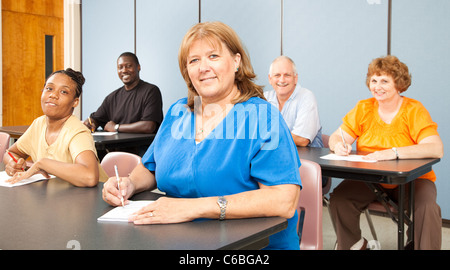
(294, 67)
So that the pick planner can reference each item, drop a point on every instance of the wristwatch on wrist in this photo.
(222, 202)
(395, 151)
(116, 127)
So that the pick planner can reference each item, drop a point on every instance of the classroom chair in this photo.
(326, 181)
(125, 162)
(310, 206)
(4, 144)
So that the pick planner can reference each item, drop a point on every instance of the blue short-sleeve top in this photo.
(251, 145)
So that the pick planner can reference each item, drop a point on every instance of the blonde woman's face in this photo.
(212, 70)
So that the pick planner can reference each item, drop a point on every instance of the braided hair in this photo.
(76, 76)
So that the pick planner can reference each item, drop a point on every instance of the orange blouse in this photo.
(412, 124)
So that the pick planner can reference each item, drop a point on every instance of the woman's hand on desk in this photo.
(387, 154)
(169, 210)
(20, 175)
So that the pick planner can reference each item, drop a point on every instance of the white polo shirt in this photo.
(301, 114)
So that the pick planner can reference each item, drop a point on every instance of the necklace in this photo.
(210, 123)
(199, 131)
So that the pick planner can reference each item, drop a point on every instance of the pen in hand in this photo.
(118, 184)
(90, 122)
(15, 160)
(343, 141)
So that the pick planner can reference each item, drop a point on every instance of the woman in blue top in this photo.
(222, 152)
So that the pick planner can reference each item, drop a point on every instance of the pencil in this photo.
(118, 184)
(90, 123)
(11, 155)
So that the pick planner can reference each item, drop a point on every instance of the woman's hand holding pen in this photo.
(339, 143)
(113, 195)
(14, 166)
(342, 149)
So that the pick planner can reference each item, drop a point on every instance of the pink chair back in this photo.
(4, 144)
(310, 202)
(125, 162)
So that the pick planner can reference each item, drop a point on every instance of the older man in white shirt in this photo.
(297, 105)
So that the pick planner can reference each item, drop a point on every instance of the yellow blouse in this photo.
(73, 139)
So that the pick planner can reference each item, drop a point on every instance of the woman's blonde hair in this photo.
(217, 33)
(390, 65)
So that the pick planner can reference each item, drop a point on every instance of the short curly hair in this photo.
(390, 65)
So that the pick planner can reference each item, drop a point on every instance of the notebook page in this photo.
(4, 177)
(122, 213)
(354, 158)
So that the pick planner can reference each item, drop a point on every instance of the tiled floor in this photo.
(385, 228)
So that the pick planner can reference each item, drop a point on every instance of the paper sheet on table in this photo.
(4, 177)
(354, 158)
(104, 133)
(122, 213)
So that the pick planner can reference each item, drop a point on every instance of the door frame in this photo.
(72, 45)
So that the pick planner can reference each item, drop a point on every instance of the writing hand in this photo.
(341, 150)
(111, 193)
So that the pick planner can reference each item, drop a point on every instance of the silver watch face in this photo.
(222, 201)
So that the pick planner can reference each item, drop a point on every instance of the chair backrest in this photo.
(310, 202)
(125, 162)
(4, 144)
(326, 183)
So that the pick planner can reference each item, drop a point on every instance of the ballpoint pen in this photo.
(11, 155)
(343, 141)
(118, 184)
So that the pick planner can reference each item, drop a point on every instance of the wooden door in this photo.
(26, 25)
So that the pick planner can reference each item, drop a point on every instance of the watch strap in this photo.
(396, 152)
(222, 202)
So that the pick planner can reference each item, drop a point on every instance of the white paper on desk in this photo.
(104, 133)
(4, 177)
(122, 213)
(354, 158)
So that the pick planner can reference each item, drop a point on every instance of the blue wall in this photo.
(107, 31)
(421, 38)
(331, 41)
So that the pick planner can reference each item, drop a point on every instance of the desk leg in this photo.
(410, 244)
(401, 221)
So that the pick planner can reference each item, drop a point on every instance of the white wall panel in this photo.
(161, 25)
(421, 39)
(332, 43)
(107, 31)
(257, 22)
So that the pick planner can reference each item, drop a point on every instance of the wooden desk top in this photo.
(14, 131)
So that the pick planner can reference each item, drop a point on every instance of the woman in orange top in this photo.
(389, 126)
